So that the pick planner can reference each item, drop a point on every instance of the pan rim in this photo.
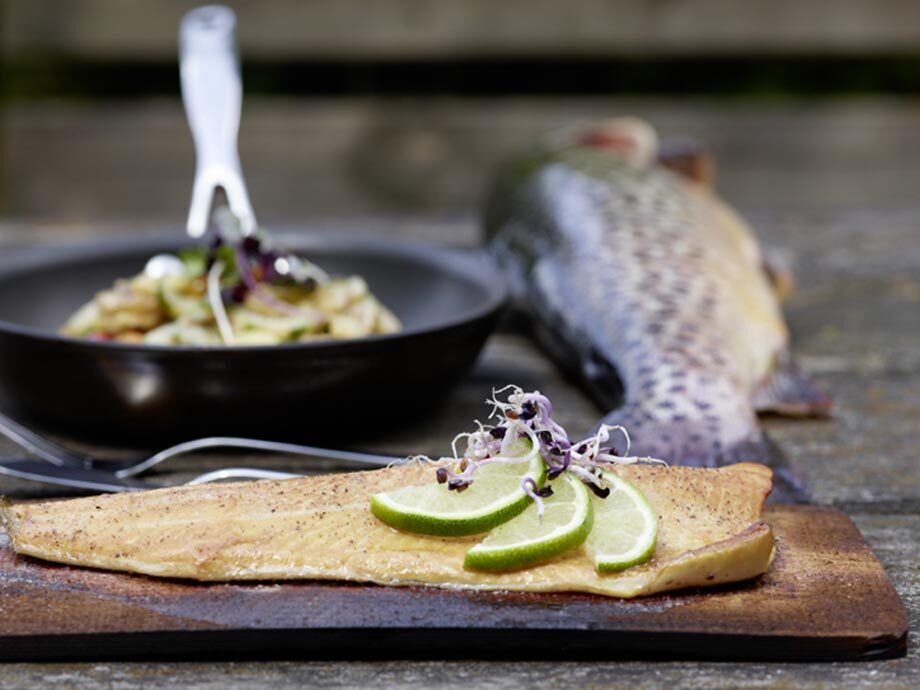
(440, 257)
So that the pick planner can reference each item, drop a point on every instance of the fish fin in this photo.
(779, 273)
(688, 442)
(789, 392)
(690, 159)
(788, 483)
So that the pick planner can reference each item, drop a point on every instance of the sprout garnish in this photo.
(250, 264)
(527, 417)
(217, 304)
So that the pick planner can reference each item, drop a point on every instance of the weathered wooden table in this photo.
(856, 324)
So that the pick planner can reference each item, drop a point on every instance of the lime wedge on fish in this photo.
(529, 539)
(494, 497)
(625, 527)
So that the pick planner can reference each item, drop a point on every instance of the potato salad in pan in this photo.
(236, 291)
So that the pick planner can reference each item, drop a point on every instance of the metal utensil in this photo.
(212, 92)
(59, 456)
(107, 482)
(39, 446)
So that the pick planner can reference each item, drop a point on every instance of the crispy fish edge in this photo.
(741, 557)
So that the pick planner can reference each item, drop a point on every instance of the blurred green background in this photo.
(402, 106)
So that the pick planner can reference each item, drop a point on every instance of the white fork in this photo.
(212, 92)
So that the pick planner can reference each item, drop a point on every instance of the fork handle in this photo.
(213, 94)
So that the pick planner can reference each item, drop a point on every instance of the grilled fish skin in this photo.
(649, 289)
(322, 528)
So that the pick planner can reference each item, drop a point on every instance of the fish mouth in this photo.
(623, 137)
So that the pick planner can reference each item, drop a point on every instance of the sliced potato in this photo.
(387, 321)
(129, 337)
(366, 311)
(257, 338)
(84, 321)
(185, 299)
(285, 327)
(346, 326)
(339, 293)
(182, 333)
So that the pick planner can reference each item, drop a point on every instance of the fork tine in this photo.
(239, 473)
(106, 482)
(369, 459)
(43, 472)
(40, 446)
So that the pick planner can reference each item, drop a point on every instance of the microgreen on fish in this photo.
(524, 420)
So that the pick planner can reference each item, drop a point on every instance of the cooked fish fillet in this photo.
(322, 528)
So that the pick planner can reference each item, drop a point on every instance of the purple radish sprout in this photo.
(523, 415)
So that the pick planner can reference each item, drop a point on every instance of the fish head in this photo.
(614, 143)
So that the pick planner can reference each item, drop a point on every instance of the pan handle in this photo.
(213, 93)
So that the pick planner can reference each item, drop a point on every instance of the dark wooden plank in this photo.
(425, 28)
(322, 158)
(825, 597)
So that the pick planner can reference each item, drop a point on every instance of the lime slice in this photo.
(625, 527)
(494, 497)
(528, 539)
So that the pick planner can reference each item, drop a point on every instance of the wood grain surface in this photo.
(421, 28)
(831, 184)
(826, 597)
(324, 157)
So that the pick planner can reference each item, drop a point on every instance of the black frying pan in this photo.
(448, 301)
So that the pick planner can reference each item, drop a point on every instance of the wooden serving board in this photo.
(826, 597)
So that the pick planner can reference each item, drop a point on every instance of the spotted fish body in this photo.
(646, 286)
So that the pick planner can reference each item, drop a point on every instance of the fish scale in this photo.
(647, 287)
